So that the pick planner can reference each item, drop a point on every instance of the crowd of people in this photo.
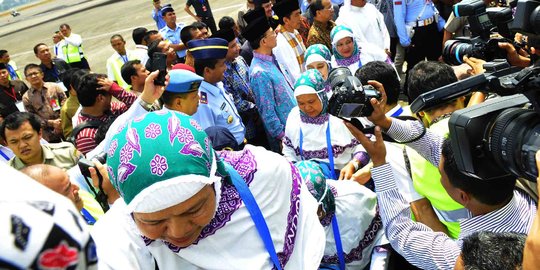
(232, 160)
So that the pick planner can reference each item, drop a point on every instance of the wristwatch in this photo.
(147, 106)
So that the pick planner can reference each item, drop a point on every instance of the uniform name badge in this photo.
(55, 105)
(20, 106)
(204, 98)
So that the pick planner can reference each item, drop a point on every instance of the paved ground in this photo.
(94, 20)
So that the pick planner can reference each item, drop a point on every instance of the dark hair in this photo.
(493, 251)
(76, 78)
(185, 33)
(2, 52)
(148, 34)
(67, 75)
(64, 25)
(489, 192)
(384, 73)
(226, 22)
(200, 64)
(138, 35)
(128, 70)
(168, 98)
(31, 66)
(256, 42)
(17, 119)
(199, 25)
(429, 75)
(315, 6)
(287, 15)
(87, 91)
(37, 46)
(117, 36)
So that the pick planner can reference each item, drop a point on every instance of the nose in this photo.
(179, 227)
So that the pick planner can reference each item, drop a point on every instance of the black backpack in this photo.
(76, 130)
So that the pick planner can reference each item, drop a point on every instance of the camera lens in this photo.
(454, 50)
(514, 141)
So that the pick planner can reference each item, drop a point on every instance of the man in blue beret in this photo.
(216, 106)
(182, 93)
(171, 32)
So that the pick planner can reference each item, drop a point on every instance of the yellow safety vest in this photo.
(427, 182)
(116, 65)
(73, 54)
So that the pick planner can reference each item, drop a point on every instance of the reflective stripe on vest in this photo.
(73, 54)
(426, 181)
(116, 65)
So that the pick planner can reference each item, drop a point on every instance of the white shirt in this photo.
(367, 24)
(286, 57)
(141, 53)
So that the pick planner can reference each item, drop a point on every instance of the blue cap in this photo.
(183, 81)
(166, 8)
(210, 48)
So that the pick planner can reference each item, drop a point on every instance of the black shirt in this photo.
(202, 7)
(59, 66)
(10, 95)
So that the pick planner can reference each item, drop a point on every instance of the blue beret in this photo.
(166, 8)
(211, 48)
(183, 81)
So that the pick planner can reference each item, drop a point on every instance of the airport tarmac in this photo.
(96, 21)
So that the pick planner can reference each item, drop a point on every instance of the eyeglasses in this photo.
(33, 74)
(331, 7)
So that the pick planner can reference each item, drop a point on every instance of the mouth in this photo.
(182, 242)
(25, 152)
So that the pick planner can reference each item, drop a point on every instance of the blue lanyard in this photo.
(328, 149)
(255, 213)
(125, 58)
(88, 217)
(398, 112)
(337, 239)
(4, 155)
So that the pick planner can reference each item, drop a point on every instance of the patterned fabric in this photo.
(295, 41)
(337, 34)
(273, 94)
(320, 153)
(46, 103)
(316, 183)
(318, 52)
(236, 82)
(151, 177)
(312, 82)
(320, 34)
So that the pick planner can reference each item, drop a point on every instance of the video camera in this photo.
(482, 23)
(350, 99)
(502, 135)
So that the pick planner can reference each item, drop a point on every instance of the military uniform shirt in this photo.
(62, 155)
(216, 108)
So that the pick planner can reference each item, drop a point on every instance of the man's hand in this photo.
(378, 117)
(57, 125)
(476, 64)
(363, 175)
(347, 172)
(152, 92)
(513, 57)
(376, 149)
(102, 170)
(105, 83)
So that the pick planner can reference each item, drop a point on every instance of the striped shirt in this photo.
(420, 245)
(85, 141)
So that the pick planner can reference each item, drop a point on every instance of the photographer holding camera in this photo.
(494, 205)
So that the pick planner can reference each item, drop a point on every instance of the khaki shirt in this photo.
(62, 155)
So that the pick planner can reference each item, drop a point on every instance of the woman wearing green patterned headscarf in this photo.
(348, 53)
(318, 57)
(313, 134)
(180, 210)
(354, 208)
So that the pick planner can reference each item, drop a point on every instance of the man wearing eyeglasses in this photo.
(45, 100)
(319, 33)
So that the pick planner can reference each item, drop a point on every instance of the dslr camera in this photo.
(350, 99)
